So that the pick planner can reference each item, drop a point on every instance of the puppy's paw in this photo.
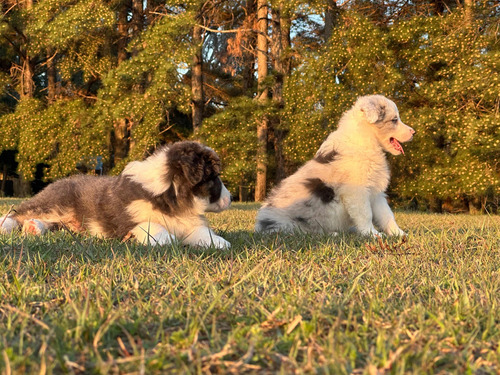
(161, 238)
(371, 232)
(220, 243)
(35, 227)
(205, 237)
(398, 233)
(7, 224)
(394, 230)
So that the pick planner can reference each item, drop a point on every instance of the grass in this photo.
(273, 304)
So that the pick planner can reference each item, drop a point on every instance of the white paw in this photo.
(395, 231)
(370, 232)
(220, 243)
(152, 234)
(213, 241)
(205, 237)
(8, 224)
(34, 226)
(398, 233)
(162, 238)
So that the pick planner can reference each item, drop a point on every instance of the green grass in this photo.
(276, 303)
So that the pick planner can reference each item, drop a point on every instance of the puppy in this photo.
(343, 187)
(157, 200)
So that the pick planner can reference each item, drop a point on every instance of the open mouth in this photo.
(397, 146)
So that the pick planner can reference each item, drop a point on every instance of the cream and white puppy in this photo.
(344, 186)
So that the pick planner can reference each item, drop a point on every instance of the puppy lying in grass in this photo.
(155, 201)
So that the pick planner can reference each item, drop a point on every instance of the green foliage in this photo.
(444, 76)
(441, 70)
(354, 62)
(232, 133)
(146, 87)
(453, 107)
(61, 136)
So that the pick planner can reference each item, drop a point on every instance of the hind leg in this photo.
(8, 223)
(35, 226)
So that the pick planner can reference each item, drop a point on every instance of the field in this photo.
(272, 304)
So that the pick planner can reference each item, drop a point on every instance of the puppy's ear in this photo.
(193, 161)
(373, 109)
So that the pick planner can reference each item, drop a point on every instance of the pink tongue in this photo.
(397, 145)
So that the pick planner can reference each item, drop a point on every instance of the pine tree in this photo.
(452, 64)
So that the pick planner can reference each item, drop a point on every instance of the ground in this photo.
(274, 303)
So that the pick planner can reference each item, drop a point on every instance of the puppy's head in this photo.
(195, 169)
(383, 116)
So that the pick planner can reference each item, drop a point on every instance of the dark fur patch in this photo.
(300, 219)
(320, 190)
(381, 113)
(267, 224)
(194, 161)
(196, 170)
(211, 189)
(325, 158)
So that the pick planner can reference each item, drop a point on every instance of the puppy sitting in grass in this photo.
(343, 187)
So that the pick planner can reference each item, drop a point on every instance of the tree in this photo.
(281, 61)
(262, 97)
(451, 63)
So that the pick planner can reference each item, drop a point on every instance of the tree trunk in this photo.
(122, 33)
(22, 187)
(469, 12)
(120, 139)
(331, 19)
(4, 180)
(198, 104)
(280, 45)
(263, 95)
(138, 16)
(51, 77)
(27, 83)
(248, 72)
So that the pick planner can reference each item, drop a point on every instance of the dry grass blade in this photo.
(25, 315)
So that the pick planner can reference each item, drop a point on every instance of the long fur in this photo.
(156, 200)
(343, 187)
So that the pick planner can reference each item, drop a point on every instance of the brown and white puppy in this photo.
(343, 187)
(157, 200)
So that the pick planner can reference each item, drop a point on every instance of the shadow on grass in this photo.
(53, 246)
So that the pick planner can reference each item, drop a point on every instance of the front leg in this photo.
(356, 201)
(205, 237)
(384, 217)
(152, 234)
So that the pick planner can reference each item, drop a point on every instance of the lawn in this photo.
(272, 304)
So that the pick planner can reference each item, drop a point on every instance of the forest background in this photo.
(88, 85)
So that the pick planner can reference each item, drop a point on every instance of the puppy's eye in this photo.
(395, 120)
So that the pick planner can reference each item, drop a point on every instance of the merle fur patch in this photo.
(319, 189)
(300, 219)
(267, 224)
(381, 113)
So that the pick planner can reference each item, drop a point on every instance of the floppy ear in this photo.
(193, 161)
(372, 108)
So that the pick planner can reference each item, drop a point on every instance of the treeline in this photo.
(87, 85)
